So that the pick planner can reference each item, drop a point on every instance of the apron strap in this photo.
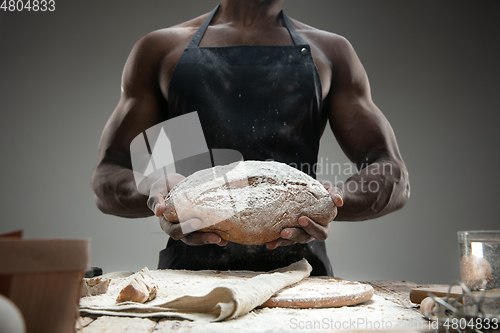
(201, 30)
(297, 39)
(195, 41)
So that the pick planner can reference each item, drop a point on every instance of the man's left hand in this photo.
(309, 230)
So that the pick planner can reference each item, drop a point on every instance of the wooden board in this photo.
(418, 294)
(394, 291)
(321, 293)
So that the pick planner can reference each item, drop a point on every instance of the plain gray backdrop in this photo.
(434, 72)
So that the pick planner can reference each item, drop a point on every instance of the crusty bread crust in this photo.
(94, 286)
(249, 202)
(140, 289)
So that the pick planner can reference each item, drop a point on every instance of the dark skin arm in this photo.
(366, 137)
(141, 106)
(138, 109)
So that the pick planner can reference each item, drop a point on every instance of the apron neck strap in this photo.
(203, 27)
(195, 41)
(297, 39)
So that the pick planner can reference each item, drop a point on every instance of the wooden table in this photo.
(395, 292)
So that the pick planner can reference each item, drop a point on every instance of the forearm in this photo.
(380, 188)
(116, 193)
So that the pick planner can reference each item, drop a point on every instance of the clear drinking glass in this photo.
(480, 268)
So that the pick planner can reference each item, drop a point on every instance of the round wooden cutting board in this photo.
(320, 293)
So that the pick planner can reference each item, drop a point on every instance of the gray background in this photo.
(434, 72)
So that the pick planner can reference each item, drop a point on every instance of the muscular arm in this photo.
(139, 108)
(366, 137)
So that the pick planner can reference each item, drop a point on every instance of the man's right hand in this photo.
(156, 202)
(174, 230)
(159, 190)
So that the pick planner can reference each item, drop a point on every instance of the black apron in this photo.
(266, 103)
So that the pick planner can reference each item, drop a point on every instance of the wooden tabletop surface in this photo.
(396, 292)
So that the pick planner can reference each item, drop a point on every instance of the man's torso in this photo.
(170, 43)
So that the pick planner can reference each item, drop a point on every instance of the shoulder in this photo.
(158, 43)
(334, 46)
(150, 51)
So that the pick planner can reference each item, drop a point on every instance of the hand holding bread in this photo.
(252, 203)
(156, 202)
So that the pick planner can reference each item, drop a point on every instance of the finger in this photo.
(152, 201)
(272, 245)
(222, 242)
(337, 200)
(315, 230)
(165, 225)
(337, 196)
(172, 229)
(176, 230)
(297, 235)
(335, 192)
(159, 190)
(279, 242)
(203, 238)
(156, 204)
(159, 206)
(159, 209)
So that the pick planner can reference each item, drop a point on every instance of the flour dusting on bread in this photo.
(140, 289)
(249, 202)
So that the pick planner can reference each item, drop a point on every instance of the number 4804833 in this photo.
(28, 5)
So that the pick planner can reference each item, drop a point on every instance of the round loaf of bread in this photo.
(249, 202)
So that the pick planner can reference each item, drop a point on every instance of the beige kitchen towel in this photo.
(199, 295)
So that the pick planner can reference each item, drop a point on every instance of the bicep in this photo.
(361, 129)
(141, 106)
